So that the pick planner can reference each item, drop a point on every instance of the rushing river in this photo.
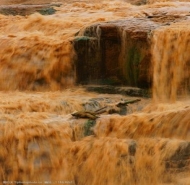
(42, 143)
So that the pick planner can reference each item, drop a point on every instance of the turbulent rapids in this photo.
(42, 84)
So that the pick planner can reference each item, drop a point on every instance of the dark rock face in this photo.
(87, 48)
(118, 52)
(180, 160)
(136, 2)
(111, 89)
(115, 53)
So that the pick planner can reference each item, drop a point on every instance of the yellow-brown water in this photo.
(171, 69)
(40, 142)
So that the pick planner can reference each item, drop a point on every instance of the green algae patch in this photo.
(47, 11)
(83, 38)
(132, 65)
(88, 127)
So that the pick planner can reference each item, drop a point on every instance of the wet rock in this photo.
(47, 11)
(118, 52)
(136, 2)
(88, 49)
(180, 160)
(132, 148)
(44, 9)
(110, 89)
(88, 127)
(92, 105)
(85, 114)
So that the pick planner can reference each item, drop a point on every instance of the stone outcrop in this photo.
(111, 89)
(44, 9)
(136, 2)
(118, 52)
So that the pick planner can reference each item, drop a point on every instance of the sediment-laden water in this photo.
(42, 143)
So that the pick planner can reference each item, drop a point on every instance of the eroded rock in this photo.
(119, 52)
(44, 9)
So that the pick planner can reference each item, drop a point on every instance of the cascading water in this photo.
(171, 62)
(41, 143)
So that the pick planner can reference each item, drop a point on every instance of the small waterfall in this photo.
(171, 62)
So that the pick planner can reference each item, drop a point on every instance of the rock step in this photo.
(110, 89)
(118, 52)
(44, 9)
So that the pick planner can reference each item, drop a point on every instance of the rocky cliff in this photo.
(119, 52)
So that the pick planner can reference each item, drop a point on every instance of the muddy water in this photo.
(41, 143)
(171, 69)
